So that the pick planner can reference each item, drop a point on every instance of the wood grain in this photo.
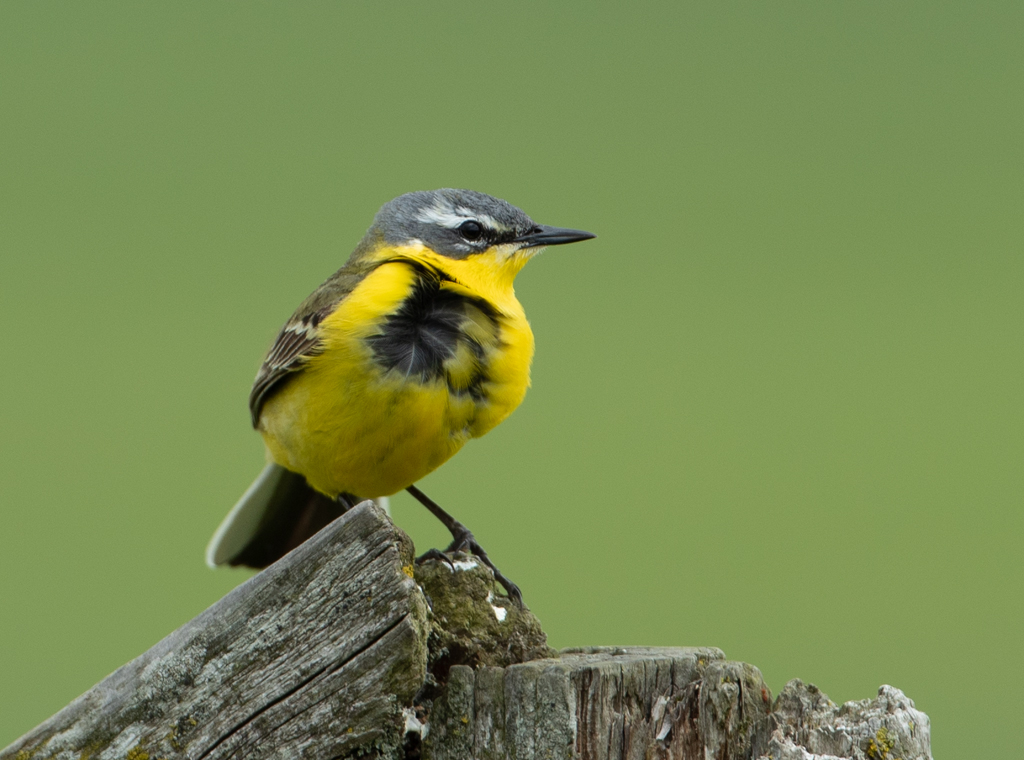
(314, 657)
(337, 652)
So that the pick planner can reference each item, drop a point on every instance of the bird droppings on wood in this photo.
(336, 652)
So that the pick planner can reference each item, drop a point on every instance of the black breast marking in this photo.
(428, 329)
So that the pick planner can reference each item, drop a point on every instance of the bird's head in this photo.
(464, 225)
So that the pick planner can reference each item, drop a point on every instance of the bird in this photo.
(416, 345)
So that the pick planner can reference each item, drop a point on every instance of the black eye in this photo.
(471, 230)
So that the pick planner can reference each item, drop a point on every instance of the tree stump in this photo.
(344, 648)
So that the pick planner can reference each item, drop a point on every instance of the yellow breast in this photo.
(365, 417)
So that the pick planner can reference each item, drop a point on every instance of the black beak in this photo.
(544, 235)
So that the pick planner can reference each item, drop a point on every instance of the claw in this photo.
(511, 589)
(437, 555)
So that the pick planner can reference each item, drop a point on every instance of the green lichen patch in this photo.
(471, 624)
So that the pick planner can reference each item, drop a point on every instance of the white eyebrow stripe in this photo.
(442, 216)
(451, 219)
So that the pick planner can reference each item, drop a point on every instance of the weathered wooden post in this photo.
(345, 649)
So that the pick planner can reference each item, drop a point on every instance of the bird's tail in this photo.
(277, 513)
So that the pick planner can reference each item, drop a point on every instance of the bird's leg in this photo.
(346, 501)
(463, 541)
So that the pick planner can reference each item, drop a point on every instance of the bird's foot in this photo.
(464, 541)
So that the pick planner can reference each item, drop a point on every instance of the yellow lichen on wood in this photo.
(880, 747)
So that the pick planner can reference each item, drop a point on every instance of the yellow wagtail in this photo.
(413, 347)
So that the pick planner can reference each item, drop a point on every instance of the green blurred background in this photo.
(777, 405)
